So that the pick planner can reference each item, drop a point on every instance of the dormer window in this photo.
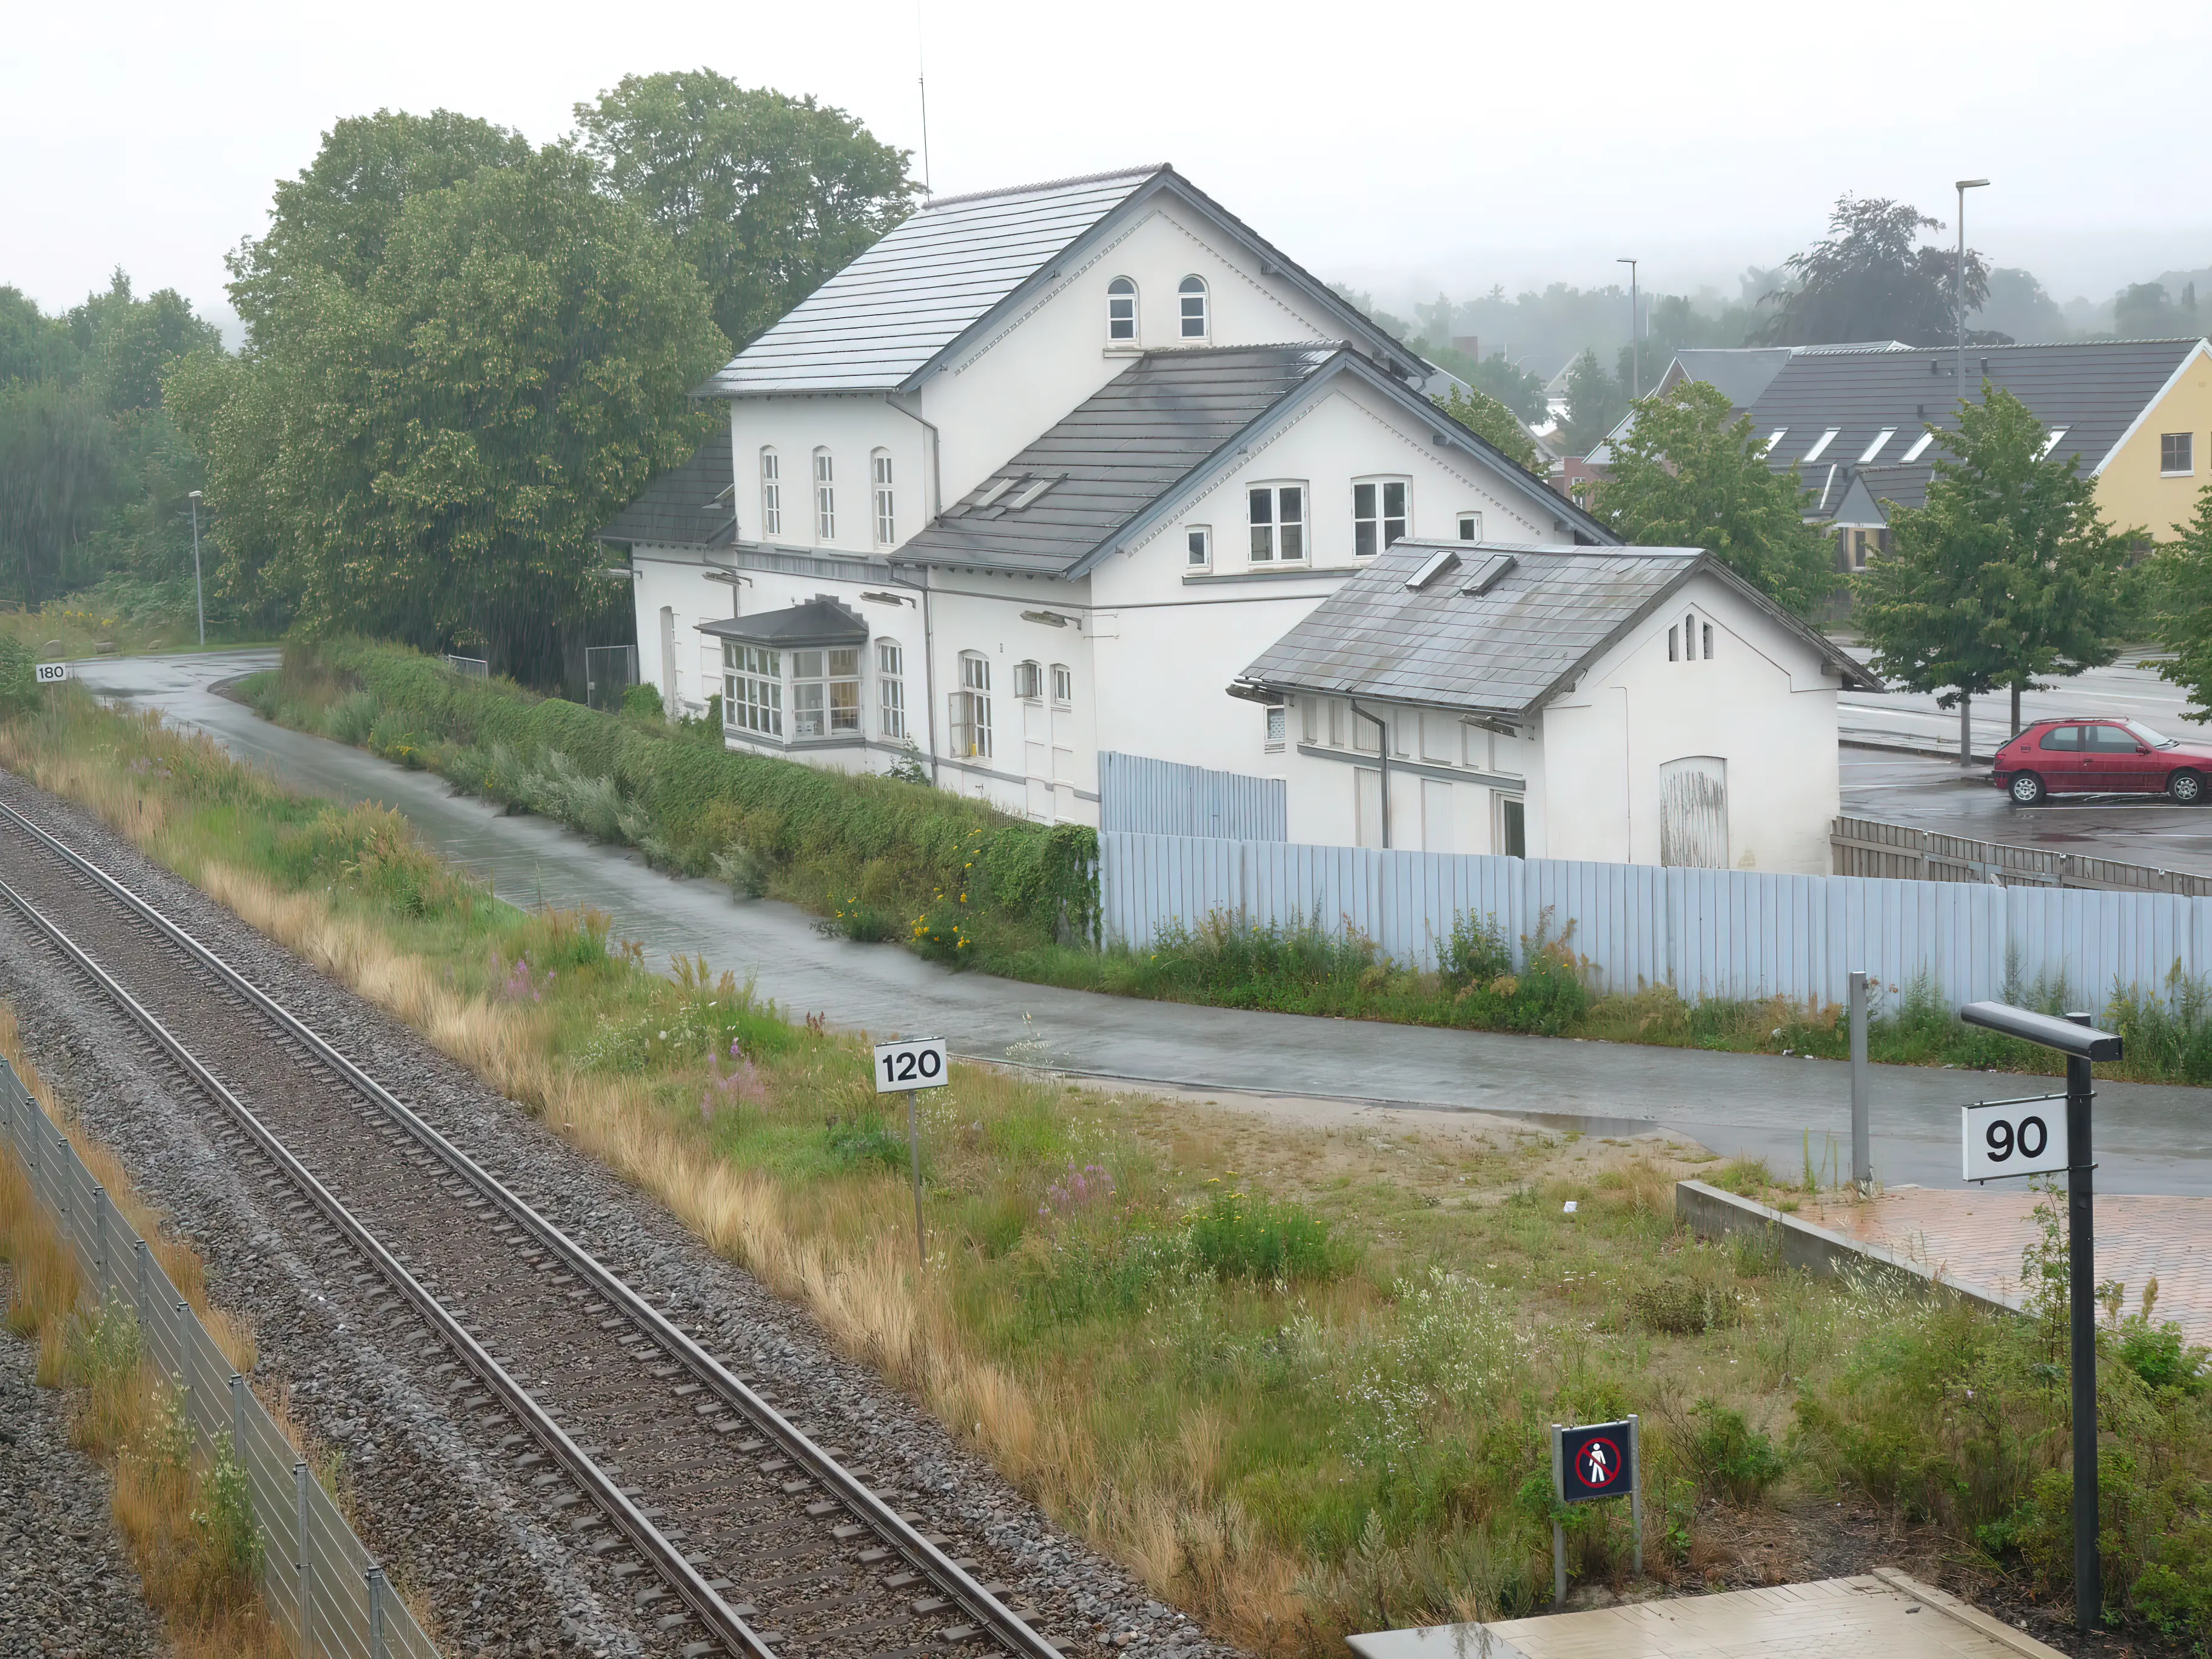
(1190, 295)
(1121, 310)
(771, 495)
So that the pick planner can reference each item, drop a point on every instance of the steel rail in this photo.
(978, 1603)
(666, 1559)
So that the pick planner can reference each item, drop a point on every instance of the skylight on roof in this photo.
(1432, 566)
(1775, 437)
(2051, 443)
(1882, 438)
(1036, 488)
(1821, 443)
(996, 490)
(1918, 444)
(1488, 574)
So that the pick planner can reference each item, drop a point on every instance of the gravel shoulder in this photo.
(451, 1523)
(67, 1588)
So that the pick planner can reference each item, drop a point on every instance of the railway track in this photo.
(758, 1540)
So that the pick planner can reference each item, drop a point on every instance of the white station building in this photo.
(1040, 474)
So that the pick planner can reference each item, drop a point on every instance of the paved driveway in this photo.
(2152, 1140)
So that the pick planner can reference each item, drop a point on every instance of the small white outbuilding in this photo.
(1629, 705)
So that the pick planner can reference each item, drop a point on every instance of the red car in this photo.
(2102, 757)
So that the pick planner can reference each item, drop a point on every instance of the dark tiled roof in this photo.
(1741, 374)
(2093, 389)
(1116, 454)
(689, 506)
(819, 622)
(1501, 651)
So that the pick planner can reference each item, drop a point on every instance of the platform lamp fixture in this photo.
(1958, 379)
(199, 596)
(1635, 357)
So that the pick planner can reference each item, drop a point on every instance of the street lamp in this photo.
(199, 597)
(1635, 358)
(1958, 375)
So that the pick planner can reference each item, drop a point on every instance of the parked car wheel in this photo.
(2026, 788)
(2187, 788)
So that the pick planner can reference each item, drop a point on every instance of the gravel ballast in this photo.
(456, 1525)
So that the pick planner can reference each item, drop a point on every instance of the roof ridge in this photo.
(931, 204)
(1973, 350)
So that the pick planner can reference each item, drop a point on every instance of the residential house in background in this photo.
(1035, 476)
(1636, 705)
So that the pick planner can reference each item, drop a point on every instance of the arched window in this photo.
(879, 466)
(825, 498)
(1121, 310)
(1191, 292)
(771, 495)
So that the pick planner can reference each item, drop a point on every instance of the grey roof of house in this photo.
(1124, 453)
(2094, 389)
(688, 505)
(818, 621)
(1504, 651)
(937, 276)
(1741, 373)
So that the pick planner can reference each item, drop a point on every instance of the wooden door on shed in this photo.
(1693, 824)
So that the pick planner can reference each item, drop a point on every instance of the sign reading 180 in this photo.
(2014, 1137)
(917, 1063)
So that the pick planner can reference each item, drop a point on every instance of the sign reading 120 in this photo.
(917, 1063)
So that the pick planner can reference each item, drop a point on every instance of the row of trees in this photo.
(94, 476)
(464, 352)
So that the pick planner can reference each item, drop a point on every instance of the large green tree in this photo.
(1597, 400)
(2007, 575)
(430, 455)
(764, 194)
(335, 217)
(2186, 626)
(1484, 416)
(1688, 476)
(1874, 279)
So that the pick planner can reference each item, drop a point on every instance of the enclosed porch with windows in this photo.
(792, 678)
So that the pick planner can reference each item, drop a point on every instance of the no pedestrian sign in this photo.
(1595, 1462)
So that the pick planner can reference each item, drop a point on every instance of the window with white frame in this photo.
(752, 688)
(825, 497)
(971, 708)
(1063, 685)
(1378, 514)
(1198, 540)
(1278, 523)
(1190, 297)
(891, 687)
(1279, 727)
(2177, 453)
(1121, 310)
(825, 692)
(1029, 681)
(771, 494)
(879, 465)
(1470, 526)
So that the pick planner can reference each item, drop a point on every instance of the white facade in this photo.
(1010, 683)
(1745, 737)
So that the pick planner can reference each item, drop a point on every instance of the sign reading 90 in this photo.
(2001, 1137)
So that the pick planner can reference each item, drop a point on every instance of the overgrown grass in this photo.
(99, 621)
(1298, 1379)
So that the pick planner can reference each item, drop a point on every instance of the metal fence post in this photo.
(238, 1431)
(138, 1249)
(1861, 1138)
(303, 1576)
(99, 1236)
(375, 1576)
(62, 1184)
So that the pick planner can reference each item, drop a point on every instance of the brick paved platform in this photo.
(1975, 1238)
(1884, 1613)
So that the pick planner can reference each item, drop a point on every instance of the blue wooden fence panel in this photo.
(1735, 933)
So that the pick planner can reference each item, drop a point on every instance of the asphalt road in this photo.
(2151, 1139)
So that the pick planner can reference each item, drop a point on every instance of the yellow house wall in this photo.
(2131, 494)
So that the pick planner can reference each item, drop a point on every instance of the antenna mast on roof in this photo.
(922, 80)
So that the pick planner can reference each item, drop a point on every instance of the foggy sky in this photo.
(1403, 147)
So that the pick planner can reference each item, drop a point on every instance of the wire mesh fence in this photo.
(323, 1588)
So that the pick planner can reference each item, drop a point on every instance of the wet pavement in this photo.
(1789, 1111)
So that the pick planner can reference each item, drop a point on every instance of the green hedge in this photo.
(841, 843)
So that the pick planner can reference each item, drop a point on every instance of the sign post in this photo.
(2020, 1137)
(908, 1068)
(1591, 1462)
(1861, 1141)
